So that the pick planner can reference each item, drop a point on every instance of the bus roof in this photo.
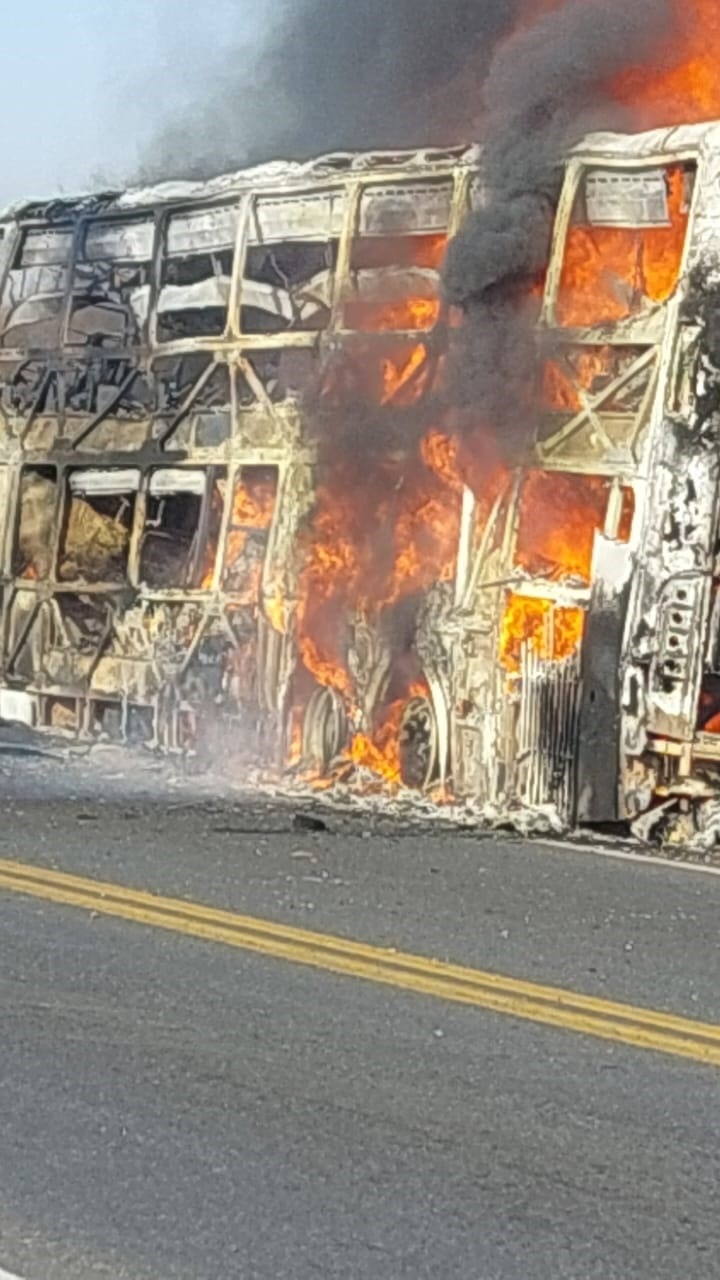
(289, 175)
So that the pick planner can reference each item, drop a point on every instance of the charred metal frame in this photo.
(117, 394)
(651, 610)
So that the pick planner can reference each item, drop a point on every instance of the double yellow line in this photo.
(553, 1006)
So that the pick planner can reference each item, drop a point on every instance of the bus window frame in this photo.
(574, 171)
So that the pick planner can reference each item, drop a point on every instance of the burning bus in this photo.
(232, 491)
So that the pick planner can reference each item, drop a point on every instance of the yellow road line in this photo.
(553, 1006)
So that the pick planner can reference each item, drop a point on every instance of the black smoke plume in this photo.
(337, 74)
(545, 86)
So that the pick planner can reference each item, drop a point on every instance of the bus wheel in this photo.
(419, 757)
(325, 729)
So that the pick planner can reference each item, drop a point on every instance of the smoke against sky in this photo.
(88, 83)
(333, 74)
(95, 93)
(322, 75)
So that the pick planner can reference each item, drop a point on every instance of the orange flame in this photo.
(398, 374)
(561, 391)
(383, 309)
(608, 274)
(554, 632)
(373, 542)
(681, 85)
(253, 508)
(275, 611)
(381, 752)
(408, 315)
(441, 454)
(611, 273)
(326, 670)
(559, 517)
(382, 756)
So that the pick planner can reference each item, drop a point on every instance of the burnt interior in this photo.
(289, 269)
(34, 540)
(110, 295)
(95, 537)
(33, 293)
(196, 273)
(253, 507)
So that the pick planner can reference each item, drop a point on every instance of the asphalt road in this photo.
(173, 1107)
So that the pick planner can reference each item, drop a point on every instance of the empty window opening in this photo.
(61, 714)
(290, 263)
(553, 631)
(103, 385)
(193, 399)
(254, 498)
(30, 386)
(399, 373)
(98, 522)
(559, 518)
(105, 719)
(192, 380)
(614, 378)
(197, 266)
(283, 374)
(175, 535)
(82, 623)
(625, 244)
(602, 393)
(33, 295)
(32, 553)
(111, 284)
(396, 256)
(213, 525)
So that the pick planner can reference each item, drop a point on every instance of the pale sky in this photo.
(85, 83)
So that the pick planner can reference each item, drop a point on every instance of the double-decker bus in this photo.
(160, 355)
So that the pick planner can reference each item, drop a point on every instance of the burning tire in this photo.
(419, 744)
(325, 729)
